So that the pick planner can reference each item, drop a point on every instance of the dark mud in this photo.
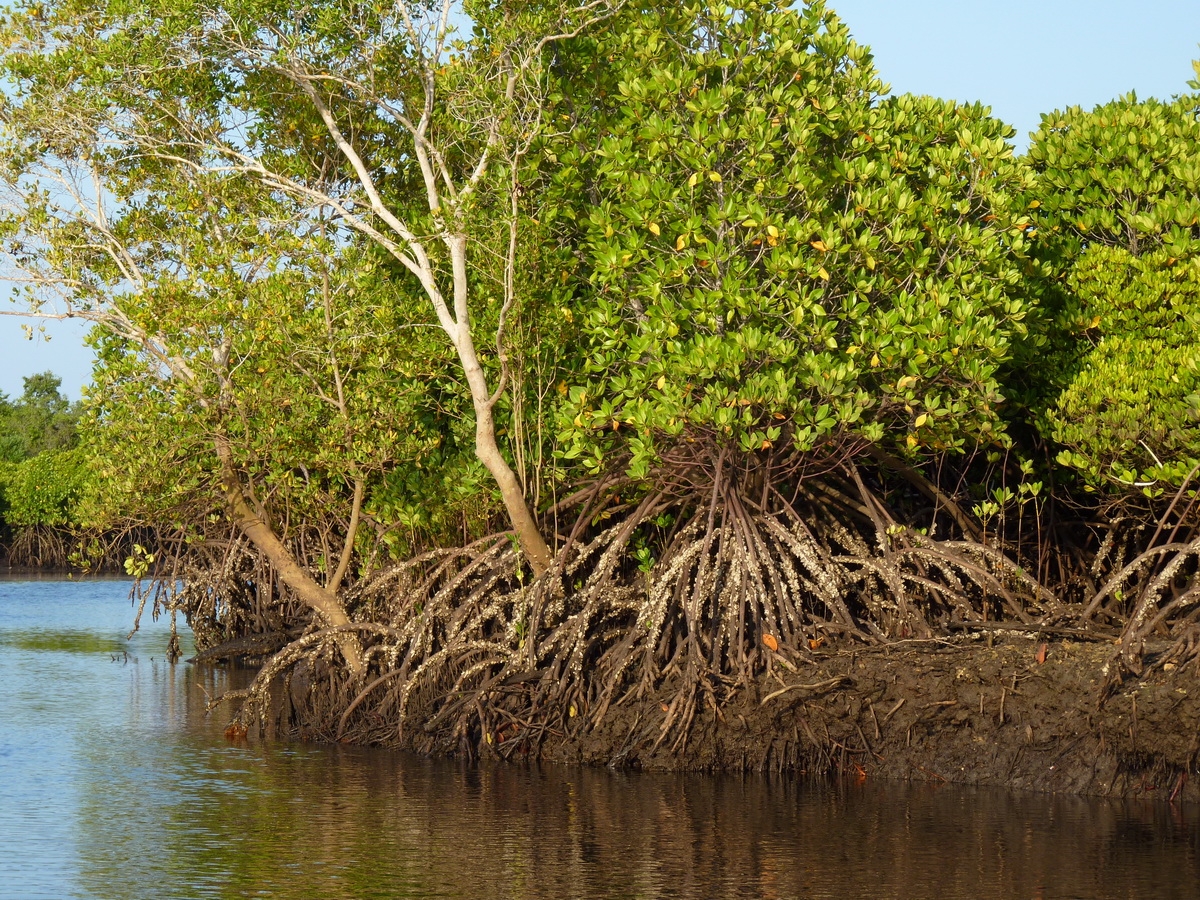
(971, 710)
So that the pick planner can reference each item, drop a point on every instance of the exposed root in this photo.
(40, 546)
(1155, 595)
(754, 570)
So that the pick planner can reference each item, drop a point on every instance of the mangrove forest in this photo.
(601, 378)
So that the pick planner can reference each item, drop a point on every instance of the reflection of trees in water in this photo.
(345, 822)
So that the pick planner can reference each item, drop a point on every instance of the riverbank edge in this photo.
(1014, 711)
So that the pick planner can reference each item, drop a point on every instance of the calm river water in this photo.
(113, 784)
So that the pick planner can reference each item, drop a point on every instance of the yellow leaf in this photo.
(654, 229)
(874, 360)
(820, 246)
(714, 177)
(662, 382)
(823, 273)
(681, 242)
(1035, 204)
(572, 711)
(921, 420)
(692, 181)
(912, 441)
(871, 263)
(773, 231)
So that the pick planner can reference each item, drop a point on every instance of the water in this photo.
(114, 784)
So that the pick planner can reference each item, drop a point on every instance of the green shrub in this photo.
(1126, 174)
(779, 256)
(1129, 414)
(44, 489)
(1111, 371)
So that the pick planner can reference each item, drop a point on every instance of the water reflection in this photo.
(113, 784)
(345, 823)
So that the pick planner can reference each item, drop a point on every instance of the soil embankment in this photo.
(971, 710)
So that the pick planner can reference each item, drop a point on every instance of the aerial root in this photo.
(685, 600)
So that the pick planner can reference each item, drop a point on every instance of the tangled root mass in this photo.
(720, 576)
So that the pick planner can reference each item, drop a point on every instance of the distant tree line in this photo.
(42, 469)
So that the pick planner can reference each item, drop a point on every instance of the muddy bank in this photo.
(968, 710)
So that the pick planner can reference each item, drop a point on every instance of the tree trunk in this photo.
(533, 545)
(260, 534)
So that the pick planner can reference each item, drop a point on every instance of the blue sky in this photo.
(1025, 58)
(1020, 57)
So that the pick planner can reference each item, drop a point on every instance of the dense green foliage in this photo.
(46, 489)
(42, 472)
(1125, 174)
(780, 256)
(1131, 413)
(41, 419)
(1118, 247)
(736, 236)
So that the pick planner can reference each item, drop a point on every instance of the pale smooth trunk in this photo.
(324, 603)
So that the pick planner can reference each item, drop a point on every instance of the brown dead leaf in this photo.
(1041, 654)
(770, 642)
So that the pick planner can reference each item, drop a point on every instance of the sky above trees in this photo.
(1022, 57)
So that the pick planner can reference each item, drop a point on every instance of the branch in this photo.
(351, 532)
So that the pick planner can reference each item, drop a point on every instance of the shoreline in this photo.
(1008, 709)
(962, 710)
(951, 711)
